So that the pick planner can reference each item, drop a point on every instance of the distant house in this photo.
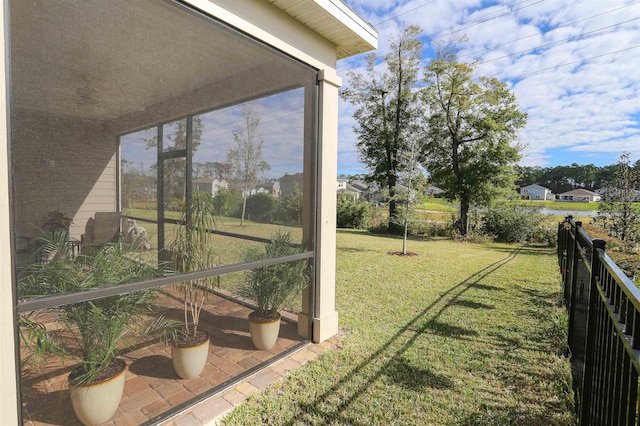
(536, 192)
(353, 192)
(434, 192)
(269, 187)
(210, 185)
(342, 183)
(359, 185)
(580, 195)
(634, 193)
(289, 184)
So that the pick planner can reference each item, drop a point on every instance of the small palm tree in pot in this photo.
(272, 288)
(192, 250)
(90, 332)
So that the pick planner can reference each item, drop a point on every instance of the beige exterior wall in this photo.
(93, 174)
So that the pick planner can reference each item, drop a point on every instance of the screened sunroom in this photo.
(123, 117)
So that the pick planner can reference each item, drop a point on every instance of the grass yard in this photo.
(438, 205)
(560, 205)
(228, 249)
(460, 334)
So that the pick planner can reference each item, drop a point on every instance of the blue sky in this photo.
(281, 128)
(574, 67)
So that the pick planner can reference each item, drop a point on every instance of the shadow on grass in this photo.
(473, 305)
(478, 286)
(395, 362)
(414, 378)
(446, 330)
(526, 249)
(357, 249)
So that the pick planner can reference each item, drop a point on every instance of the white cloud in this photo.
(582, 99)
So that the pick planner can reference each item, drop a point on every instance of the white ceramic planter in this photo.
(264, 334)
(97, 403)
(189, 361)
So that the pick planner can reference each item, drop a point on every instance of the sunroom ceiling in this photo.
(112, 47)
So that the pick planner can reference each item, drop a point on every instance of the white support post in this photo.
(325, 321)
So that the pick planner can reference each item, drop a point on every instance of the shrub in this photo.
(352, 214)
(227, 203)
(511, 222)
(545, 232)
(260, 207)
(289, 208)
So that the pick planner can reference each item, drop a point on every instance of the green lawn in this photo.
(228, 249)
(560, 205)
(438, 205)
(460, 334)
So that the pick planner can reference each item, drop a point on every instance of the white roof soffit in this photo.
(335, 21)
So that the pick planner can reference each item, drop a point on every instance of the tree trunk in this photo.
(463, 224)
(244, 207)
(406, 231)
(394, 226)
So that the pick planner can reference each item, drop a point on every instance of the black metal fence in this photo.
(604, 329)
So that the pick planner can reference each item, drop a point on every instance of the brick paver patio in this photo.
(153, 389)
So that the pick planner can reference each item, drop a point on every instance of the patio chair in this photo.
(105, 228)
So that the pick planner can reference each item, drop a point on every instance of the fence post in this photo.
(572, 275)
(587, 382)
(564, 232)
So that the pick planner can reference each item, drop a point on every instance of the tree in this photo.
(472, 124)
(388, 111)
(290, 206)
(616, 211)
(408, 192)
(246, 161)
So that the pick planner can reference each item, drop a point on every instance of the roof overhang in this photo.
(335, 21)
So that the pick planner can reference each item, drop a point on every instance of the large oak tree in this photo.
(472, 124)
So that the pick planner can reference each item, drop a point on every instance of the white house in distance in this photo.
(268, 187)
(86, 83)
(536, 192)
(634, 194)
(580, 195)
(210, 185)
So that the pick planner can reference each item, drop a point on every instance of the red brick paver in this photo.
(152, 387)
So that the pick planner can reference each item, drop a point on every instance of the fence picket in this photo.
(606, 362)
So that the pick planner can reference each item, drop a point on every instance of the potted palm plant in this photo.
(192, 250)
(90, 332)
(272, 287)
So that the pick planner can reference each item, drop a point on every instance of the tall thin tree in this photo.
(388, 111)
(245, 158)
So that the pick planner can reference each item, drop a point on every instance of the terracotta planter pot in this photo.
(189, 358)
(264, 331)
(97, 402)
